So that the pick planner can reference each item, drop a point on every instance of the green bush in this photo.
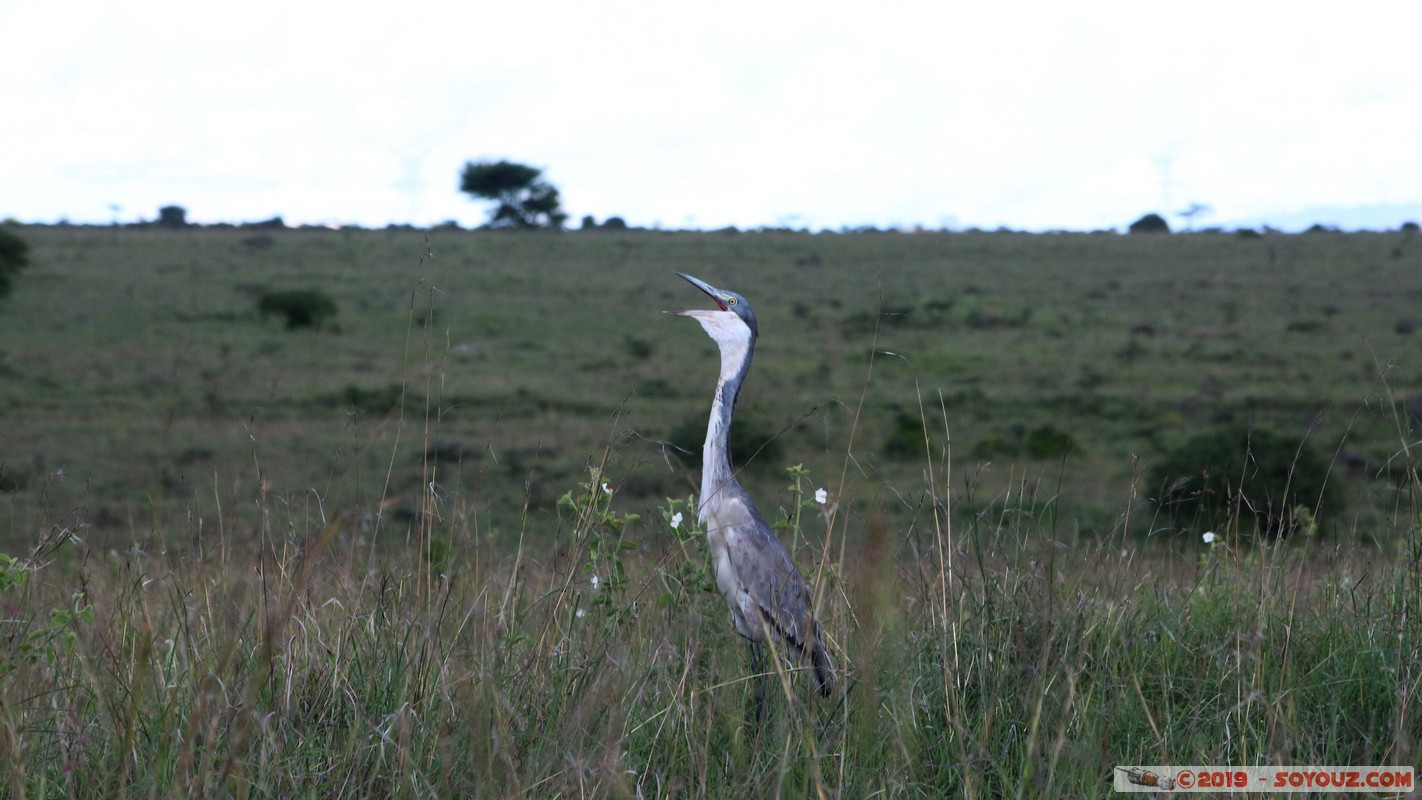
(374, 400)
(1048, 441)
(753, 444)
(303, 308)
(1270, 483)
(14, 256)
(1039, 444)
(1150, 223)
(173, 216)
(639, 348)
(907, 440)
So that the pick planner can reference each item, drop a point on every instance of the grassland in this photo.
(247, 561)
(141, 386)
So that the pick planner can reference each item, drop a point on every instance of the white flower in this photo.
(607, 489)
(1209, 537)
(676, 520)
(594, 583)
(582, 612)
(821, 496)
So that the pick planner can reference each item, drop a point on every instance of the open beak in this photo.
(711, 291)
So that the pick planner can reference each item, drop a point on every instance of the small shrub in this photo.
(1039, 444)
(14, 256)
(907, 439)
(1304, 326)
(14, 480)
(982, 318)
(640, 349)
(1049, 441)
(657, 388)
(992, 446)
(374, 400)
(448, 453)
(303, 308)
(1266, 481)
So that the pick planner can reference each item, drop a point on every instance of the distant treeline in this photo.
(176, 217)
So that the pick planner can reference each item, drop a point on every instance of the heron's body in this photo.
(766, 593)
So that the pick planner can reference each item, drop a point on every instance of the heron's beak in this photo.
(711, 291)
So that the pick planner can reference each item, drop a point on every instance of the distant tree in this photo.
(173, 216)
(1409, 228)
(1194, 210)
(521, 199)
(1150, 223)
(610, 224)
(14, 256)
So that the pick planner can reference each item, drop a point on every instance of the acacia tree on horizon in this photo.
(522, 199)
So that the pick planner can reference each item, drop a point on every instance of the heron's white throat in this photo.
(730, 333)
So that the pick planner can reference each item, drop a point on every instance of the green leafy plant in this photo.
(42, 637)
(602, 531)
(689, 574)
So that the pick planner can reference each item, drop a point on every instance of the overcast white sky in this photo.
(1033, 115)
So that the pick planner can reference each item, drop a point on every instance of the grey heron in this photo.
(768, 596)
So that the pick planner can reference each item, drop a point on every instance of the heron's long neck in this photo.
(717, 475)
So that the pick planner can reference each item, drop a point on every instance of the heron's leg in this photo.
(757, 666)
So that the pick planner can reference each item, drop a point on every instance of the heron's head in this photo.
(730, 321)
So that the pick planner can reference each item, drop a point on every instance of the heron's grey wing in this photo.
(769, 577)
(773, 594)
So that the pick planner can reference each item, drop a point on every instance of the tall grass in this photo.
(983, 655)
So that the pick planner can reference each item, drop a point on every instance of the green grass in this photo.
(140, 382)
(357, 561)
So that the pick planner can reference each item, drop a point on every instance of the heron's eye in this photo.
(730, 301)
